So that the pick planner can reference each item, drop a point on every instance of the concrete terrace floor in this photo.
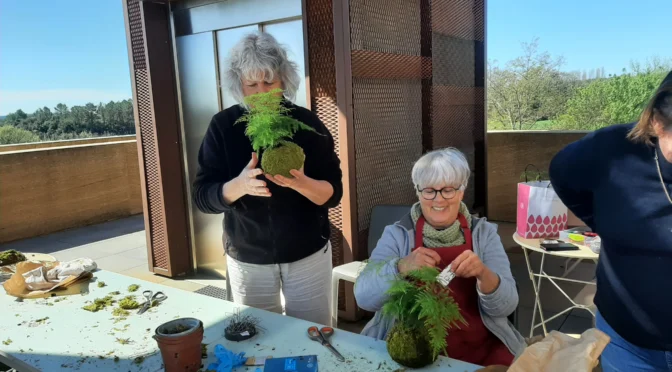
(120, 246)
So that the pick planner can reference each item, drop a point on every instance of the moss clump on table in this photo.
(133, 287)
(271, 129)
(129, 303)
(100, 304)
(101, 284)
(7, 342)
(11, 257)
(120, 312)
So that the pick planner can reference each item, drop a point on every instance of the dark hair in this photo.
(658, 108)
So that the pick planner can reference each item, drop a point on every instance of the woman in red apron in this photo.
(443, 235)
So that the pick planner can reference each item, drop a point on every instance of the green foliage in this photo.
(531, 93)
(617, 100)
(10, 135)
(420, 303)
(268, 124)
(113, 118)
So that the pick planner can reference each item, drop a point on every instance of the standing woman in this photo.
(276, 228)
(618, 180)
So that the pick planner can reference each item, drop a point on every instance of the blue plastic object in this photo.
(227, 360)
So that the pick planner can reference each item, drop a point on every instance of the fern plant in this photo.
(424, 311)
(270, 128)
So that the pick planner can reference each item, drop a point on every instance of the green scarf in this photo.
(448, 237)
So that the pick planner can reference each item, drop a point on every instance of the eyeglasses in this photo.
(446, 192)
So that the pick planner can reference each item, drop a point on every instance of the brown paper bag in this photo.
(16, 285)
(558, 352)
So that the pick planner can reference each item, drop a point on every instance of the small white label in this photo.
(244, 334)
(446, 276)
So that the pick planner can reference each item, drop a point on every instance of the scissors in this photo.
(151, 298)
(322, 336)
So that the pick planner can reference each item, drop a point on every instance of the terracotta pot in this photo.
(180, 344)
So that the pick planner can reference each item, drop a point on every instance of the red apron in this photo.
(472, 343)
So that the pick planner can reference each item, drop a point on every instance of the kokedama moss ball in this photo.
(281, 159)
(409, 347)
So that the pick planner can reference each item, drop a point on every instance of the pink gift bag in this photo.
(541, 213)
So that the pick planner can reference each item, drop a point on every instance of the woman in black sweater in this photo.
(618, 180)
(276, 228)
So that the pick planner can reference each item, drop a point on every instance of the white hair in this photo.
(258, 56)
(441, 168)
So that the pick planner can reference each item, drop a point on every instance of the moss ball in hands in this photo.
(270, 128)
(280, 160)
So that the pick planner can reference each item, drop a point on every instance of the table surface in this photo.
(76, 339)
(584, 252)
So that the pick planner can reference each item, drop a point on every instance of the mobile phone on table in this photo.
(557, 246)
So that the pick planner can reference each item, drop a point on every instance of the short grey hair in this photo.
(445, 167)
(259, 56)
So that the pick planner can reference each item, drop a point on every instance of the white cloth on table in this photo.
(43, 278)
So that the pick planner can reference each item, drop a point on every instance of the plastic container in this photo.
(180, 344)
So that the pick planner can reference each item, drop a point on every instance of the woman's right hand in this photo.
(421, 257)
(246, 183)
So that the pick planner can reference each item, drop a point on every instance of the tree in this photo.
(528, 89)
(617, 100)
(10, 135)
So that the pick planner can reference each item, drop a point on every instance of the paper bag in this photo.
(559, 352)
(16, 285)
(541, 213)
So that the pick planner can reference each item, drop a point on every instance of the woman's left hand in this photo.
(300, 180)
(468, 265)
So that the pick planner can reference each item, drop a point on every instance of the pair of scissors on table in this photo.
(151, 298)
(322, 336)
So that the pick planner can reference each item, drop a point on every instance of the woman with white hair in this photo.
(276, 233)
(439, 231)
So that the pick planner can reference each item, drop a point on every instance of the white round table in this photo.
(533, 245)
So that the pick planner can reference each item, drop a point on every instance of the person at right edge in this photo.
(618, 180)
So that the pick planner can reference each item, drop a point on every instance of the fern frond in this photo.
(424, 274)
(268, 121)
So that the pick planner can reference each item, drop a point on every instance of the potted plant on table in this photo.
(424, 311)
(271, 129)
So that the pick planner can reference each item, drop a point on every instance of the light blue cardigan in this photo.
(397, 242)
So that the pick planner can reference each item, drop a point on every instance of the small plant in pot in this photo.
(180, 344)
(424, 311)
(271, 129)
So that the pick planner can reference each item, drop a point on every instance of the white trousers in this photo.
(306, 285)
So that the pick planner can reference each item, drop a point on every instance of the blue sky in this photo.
(587, 33)
(70, 51)
(74, 51)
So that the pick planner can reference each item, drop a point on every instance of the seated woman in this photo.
(438, 231)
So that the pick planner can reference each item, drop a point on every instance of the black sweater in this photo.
(613, 185)
(285, 227)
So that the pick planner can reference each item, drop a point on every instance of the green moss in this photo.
(11, 257)
(120, 312)
(100, 304)
(129, 303)
(101, 284)
(133, 287)
(280, 160)
(7, 342)
(115, 293)
(409, 347)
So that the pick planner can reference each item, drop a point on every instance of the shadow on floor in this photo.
(78, 237)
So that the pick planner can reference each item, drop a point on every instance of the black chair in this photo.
(384, 215)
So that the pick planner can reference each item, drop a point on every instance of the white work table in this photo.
(76, 339)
